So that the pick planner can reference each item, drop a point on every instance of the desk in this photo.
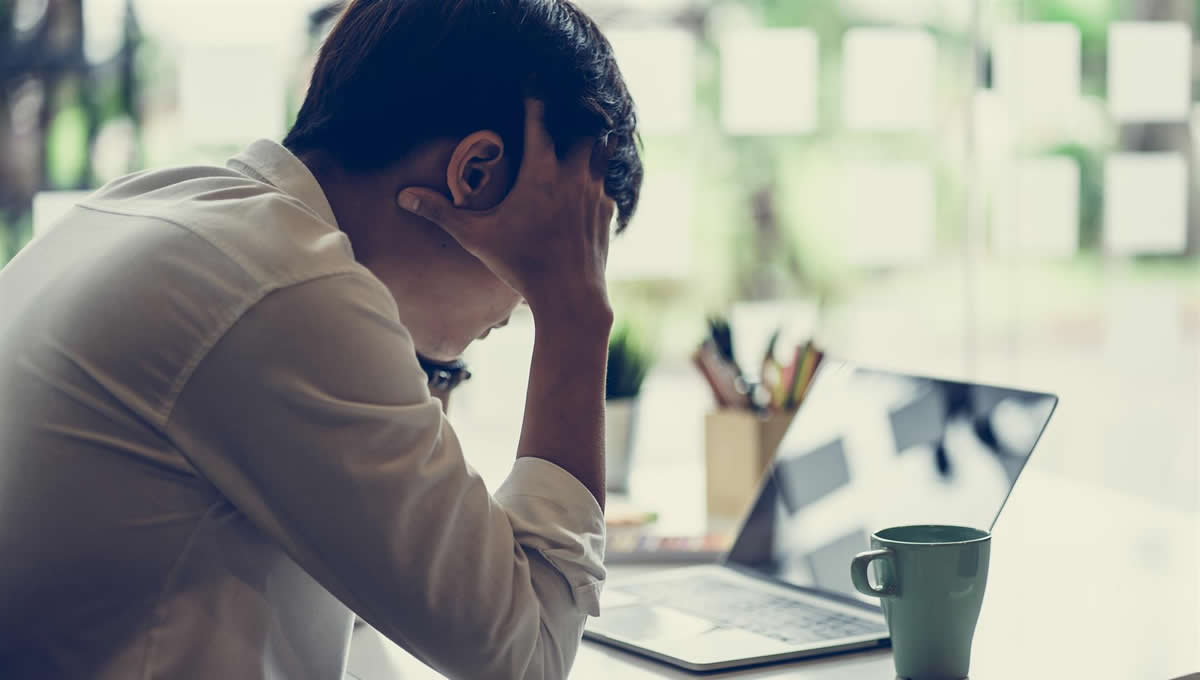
(1085, 583)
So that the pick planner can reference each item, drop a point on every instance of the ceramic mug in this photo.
(930, 582)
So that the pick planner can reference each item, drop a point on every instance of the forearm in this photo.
(564, 407)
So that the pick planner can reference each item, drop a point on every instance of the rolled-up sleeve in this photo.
(554, 513)
(311, 415)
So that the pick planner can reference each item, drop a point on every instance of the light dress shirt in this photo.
(217, 446)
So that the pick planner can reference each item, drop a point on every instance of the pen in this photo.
(722, 336)
(796, 372)
(811, 360)
(721, 376)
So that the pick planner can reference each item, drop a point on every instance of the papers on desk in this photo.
(650, 548)
(633, 538)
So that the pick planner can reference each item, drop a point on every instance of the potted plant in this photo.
(629, 360)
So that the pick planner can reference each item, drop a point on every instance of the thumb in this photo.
(436, 208)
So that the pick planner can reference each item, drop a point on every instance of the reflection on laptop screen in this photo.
(870, 450)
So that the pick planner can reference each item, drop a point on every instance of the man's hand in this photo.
(548, 239)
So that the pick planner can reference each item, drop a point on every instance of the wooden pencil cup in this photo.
(738, 448)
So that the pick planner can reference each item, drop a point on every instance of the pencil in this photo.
(811, 361)
(712, 380)
(780, 397)
(797, 371)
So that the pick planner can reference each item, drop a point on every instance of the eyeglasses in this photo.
(444, 376)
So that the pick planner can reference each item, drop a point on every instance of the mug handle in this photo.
(858, 573)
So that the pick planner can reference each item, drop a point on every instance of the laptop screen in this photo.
(869, 450)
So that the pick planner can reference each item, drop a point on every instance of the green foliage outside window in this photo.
(758, 227)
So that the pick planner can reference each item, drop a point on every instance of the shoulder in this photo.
(274, 238)
(337, 335)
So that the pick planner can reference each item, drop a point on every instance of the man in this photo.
(216, 440)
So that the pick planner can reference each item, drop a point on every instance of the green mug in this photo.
(931, 582)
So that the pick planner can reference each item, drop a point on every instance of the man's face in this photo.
(449, 301)
(486, 302)
(447, 297)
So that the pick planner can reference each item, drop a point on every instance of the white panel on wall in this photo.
(1145, 203)
(103, 29)
(1036, 69)
(889, 210)
(993, 129)
(659, 66)
(1035, 211)
(1195, 120)
(50, 206)
(231, 94)
(658, 244)
(769, 81)
(1149, 70)
(888, 79)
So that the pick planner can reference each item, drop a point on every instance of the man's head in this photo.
(431, 93)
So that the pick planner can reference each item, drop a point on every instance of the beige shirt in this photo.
(216, 443)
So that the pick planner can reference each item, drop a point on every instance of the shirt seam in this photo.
(217, 244)
(594, 506)
(588, 580)
(189, 368)
(151, 639)
(589, 584)
(207, 238)
(252, 299)
(245, 168)
(592, 584)
(239, 312)
(260, 175)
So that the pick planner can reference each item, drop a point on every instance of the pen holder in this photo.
(738, 448)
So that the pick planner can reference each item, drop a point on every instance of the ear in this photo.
(476, 171)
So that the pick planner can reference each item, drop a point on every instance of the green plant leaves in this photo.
(629, 360)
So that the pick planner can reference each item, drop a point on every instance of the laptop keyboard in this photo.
(789, 620)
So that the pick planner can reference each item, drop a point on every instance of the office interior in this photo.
(994, 191)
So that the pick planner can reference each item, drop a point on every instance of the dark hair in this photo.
(395, 73)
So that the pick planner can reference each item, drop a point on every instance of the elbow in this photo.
(553, 652)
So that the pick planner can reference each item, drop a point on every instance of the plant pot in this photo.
(619, 423)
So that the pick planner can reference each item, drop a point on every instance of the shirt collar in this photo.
(270, 162)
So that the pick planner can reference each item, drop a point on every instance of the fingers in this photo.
(540, 158)
(436, 208)
(604, 212)
(581, 160)
(608, 210)
(599, 161)
(539, 147)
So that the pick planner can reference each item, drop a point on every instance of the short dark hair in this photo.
(395, 73)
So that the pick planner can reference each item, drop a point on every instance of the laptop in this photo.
(867, 450)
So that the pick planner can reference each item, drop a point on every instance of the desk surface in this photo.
(1084, 583)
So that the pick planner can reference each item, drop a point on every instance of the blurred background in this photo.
(999, 191)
